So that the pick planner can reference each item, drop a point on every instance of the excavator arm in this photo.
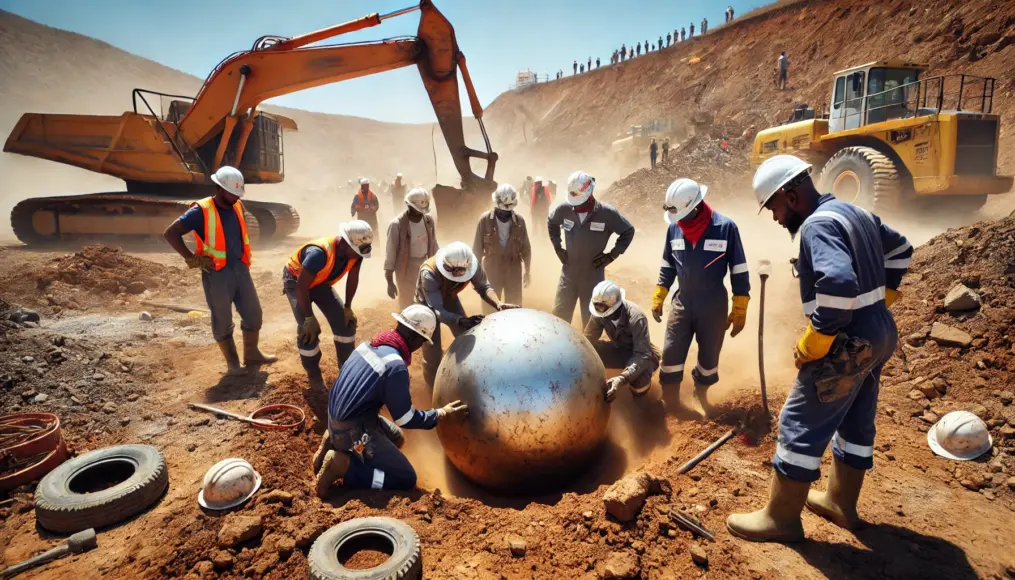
(279, 66)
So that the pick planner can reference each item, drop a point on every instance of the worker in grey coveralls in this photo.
(222, 252)
(412, 238)
(629, 348)
(441, 279)
(588, 225)
(502, 245)
(701, 246)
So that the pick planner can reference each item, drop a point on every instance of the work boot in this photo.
(838, 503)
(333, 467)
(779, 521)
(317, 396)
(322, 449)
(228, 348)
(701, 397)
(251, 354)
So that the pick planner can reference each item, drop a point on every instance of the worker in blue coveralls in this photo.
(309, 278)
(701, 246)
(361, 447)
(850, 267)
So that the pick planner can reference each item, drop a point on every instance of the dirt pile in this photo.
(107, 270)
(955, 350)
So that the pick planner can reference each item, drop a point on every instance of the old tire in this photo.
(76, 495)
(383, 534)
(864, 177)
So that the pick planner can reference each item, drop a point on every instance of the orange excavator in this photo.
(167, 158)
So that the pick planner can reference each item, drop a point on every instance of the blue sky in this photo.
(499, 38)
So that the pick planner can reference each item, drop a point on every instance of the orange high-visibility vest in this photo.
(448, 287)
(535, 193)
(362, 200)
(213, 243)
(330, 248)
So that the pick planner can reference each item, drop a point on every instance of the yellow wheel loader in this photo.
(893, 139)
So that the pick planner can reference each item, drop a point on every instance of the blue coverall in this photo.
(847, 260)
(324, 296)
(372, 377)
(699, 307)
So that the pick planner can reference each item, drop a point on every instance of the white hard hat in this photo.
(580, 187)
(505, 197)
(420, 319)
(359, 235)
(228, 483)
(398, 175)
(959, 435)
(364, 181)
(608, 295)
(457, 255)
(774, 173)
(229, 179)
(685, 195)
(418, 199)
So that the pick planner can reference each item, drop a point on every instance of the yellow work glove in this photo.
(891, 296)
(812, 346)
(738, 315)
(658, 297)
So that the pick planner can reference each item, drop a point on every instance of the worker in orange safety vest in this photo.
(365, 204)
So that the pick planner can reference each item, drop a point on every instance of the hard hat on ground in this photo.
(228, 483)
(682, 196)
(359, 235)
(580, 187)
(959, 435)
(229, 179)
(606, 299)
(418, 199)
(775, 173)
(457, 262)
(505, 197)
(364, 181)
(418, 318)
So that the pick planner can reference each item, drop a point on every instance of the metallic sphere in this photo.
(534, 387)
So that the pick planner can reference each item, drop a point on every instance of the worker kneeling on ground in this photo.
(701, 245)
(223, 255)
(502, 243)
(309, 278)
(412, 238)
(361, 446)
(587, 226)
(629, 347)
(441, 279)
(850, 266)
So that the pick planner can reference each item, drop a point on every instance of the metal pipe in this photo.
(708, 450)
(244, 71)
(962, 90)
(399, 12)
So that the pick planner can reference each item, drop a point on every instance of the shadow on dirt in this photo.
(892, 552)
(247, 386)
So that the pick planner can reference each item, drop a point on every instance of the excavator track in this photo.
(118, 217)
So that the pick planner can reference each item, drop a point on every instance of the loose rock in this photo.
(517, 545)
(136, 287)
(109, 408)
(222, 560)
(960, 299)
(619, 565)
(277, 496)
(946, 335)
(698, 555)
(1011, 483)
(930, 417)
(928, 390)
(1005, 397)
(624, 499)
(145, 316)
(238, 529)
(41, 398)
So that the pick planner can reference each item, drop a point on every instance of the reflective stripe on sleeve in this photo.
(900, 264)
(401, 421)
(739, 269)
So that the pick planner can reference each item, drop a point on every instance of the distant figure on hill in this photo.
(623, 52)
(581, 69)
(783, 68)
(729, 14)
(669, 39)
(704, 25)
(660, 45)
(589, 66)
(666, 150)
(653, 150)
(683, 33)
(576, 67)
(691, 33)
(597, 62)
(637, 49)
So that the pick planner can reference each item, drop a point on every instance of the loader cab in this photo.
(874, 93)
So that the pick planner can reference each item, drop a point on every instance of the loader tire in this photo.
(864, 177)
(101, 488)
(388, 535)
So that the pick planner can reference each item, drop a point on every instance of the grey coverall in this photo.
(397, 259)
(629, 348)
(503, 264)
(584, 241)
(433, 289)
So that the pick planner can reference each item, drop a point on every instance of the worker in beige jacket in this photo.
(412, 238)
(502, 243)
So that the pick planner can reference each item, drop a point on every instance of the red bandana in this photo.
(586, 207)
(694, 229)
(394, 340)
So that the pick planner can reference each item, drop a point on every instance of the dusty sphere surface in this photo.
(534, 387)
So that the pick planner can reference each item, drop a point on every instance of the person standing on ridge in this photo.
(783, 71)
(653, 149)
(666, 150)
(691, 31)
(576, 66)
(669, 39)
(222, 252)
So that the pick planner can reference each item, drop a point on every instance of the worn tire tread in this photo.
(887, 185)
(411, 568)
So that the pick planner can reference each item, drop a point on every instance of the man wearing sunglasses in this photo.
(588, 225)
(701, 246)
(309, 278)
(441, 279)
(629, 347)
(850, 267)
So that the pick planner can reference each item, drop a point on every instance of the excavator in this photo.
(167, 158)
